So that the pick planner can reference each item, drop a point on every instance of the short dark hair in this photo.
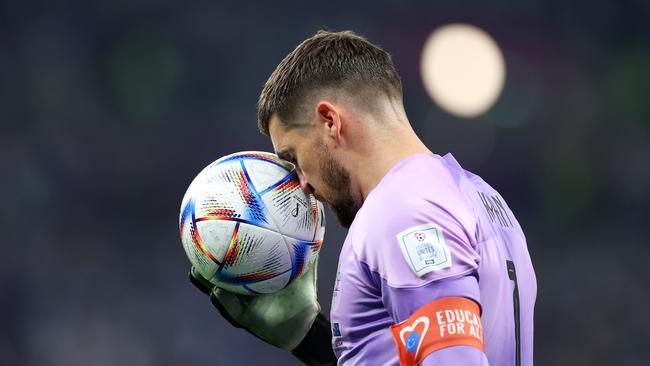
(339, 60)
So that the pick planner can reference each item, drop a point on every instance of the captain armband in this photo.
(446, 322)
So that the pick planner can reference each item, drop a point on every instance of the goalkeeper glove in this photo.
(288, 319)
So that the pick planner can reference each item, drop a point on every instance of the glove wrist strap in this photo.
(316, 348)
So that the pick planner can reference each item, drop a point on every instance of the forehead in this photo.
(280, 137)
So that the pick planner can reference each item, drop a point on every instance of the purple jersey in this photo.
(475, 249)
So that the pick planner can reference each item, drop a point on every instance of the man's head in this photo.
(318, 106)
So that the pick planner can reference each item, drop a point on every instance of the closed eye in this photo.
(288, 157)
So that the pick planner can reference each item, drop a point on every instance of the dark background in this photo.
(108, 109)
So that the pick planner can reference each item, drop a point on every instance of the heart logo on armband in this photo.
(413, 341)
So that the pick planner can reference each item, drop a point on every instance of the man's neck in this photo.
(382, 153)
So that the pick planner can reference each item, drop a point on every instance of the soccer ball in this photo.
(246, 225)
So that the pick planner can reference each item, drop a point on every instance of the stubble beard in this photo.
(337, 180)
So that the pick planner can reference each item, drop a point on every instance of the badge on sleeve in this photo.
(424, 248)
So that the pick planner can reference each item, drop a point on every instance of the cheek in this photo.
(308, 163)
(311, 171)
(312, 175)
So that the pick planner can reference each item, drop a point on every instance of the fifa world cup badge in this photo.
(424, 248)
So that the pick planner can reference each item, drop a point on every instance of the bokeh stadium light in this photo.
(463, 69)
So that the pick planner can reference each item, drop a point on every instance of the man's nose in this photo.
(304, 183)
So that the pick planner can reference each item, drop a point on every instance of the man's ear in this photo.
(328, 117)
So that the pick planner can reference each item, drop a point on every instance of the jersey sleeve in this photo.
(457, 356)
(421, 248)
(419, 237)
(403, 303)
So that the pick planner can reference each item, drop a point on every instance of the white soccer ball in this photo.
(247, 226)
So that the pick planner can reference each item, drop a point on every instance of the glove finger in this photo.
(308, 280)
(199, 282)
(314, 269)
(232, 308)
(229, 305)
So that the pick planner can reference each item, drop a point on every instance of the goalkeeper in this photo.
(435, 268)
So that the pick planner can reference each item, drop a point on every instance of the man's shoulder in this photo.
(416, 198)
(418, 188)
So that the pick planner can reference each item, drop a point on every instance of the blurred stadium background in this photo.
(108, 109)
